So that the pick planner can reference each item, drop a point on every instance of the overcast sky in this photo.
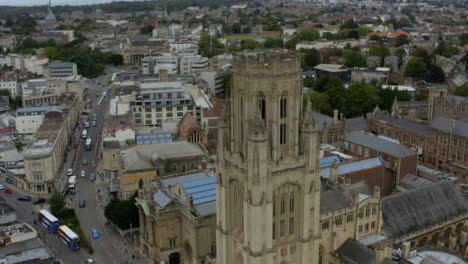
(54, 2)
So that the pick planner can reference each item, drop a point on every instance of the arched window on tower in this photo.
(262, 105)
(283, 115)
(283, 105)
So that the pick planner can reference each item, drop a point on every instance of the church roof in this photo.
(420, 208)
(352, 251)
(322, 120)
(379, 144)
(337, 199)
(443, 124)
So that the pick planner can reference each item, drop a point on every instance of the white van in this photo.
(84, 134)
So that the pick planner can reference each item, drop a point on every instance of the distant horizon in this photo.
(58, 2)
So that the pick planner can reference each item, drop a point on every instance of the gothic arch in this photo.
(188, 253)
(235, 192)
(262, 104)
(286, 212)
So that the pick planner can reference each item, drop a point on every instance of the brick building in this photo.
(442, 143)
(402, 160)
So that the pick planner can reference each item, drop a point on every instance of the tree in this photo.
(401, 40)
(379, 50)
(416, 68)
(400, 53)
(273, 43)
(435, 74)
(310, 82)
(449, 51)
(250, 44)
(205, 48)
(147, 30)
(349, 24)
(360, 98)
(462, 91)
(57, 203)
(123, 213)
(354, 58)
(236, 28)
(336, 93)
(319, 102)
(312, 58)
(403, 22)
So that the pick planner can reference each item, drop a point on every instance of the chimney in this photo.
(405, 248)
(452, 126)
(191, 202)
(163, 75)
(376, 192)
(335, 117)
(334, 173)
(204, 164)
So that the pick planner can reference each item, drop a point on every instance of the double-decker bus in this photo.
(69, 237)
(48, 221)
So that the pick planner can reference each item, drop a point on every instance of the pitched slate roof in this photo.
(353, 166)
(420, 208)
(356, 124)
(381, 145)
(337, 199)
(321, 120)
(352, 252)
(443, 124)
(413, 125)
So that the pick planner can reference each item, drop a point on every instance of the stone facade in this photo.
(442, 144)
(443, 104)
(44, 157)
(269, 206)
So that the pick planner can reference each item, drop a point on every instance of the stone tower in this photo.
(268, 192)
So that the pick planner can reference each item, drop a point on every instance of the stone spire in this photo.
(308, 118)
(257, 124)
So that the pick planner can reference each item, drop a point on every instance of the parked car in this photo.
(25, 198)
(65, 192)
(92, 177)
(94, 123)
(39, 201)
(2, 187)
(8, 191)
(82, 204)
(69, 172)
(89, 261)
(9, 180)
(83, 174)
(95, 233)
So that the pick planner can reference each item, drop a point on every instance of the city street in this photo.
(110, 247)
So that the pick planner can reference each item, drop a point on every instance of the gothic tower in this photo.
(268, 194)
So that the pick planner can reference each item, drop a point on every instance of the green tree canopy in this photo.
(336, 93)
(319, 102)
(123, 213)
(147, 30)
(354, 58)
(401, 40)
(57, 203)
(462, 91)
(312, 58)
(273, 43)
(361, 98)
(416, 68)
(204, 46)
